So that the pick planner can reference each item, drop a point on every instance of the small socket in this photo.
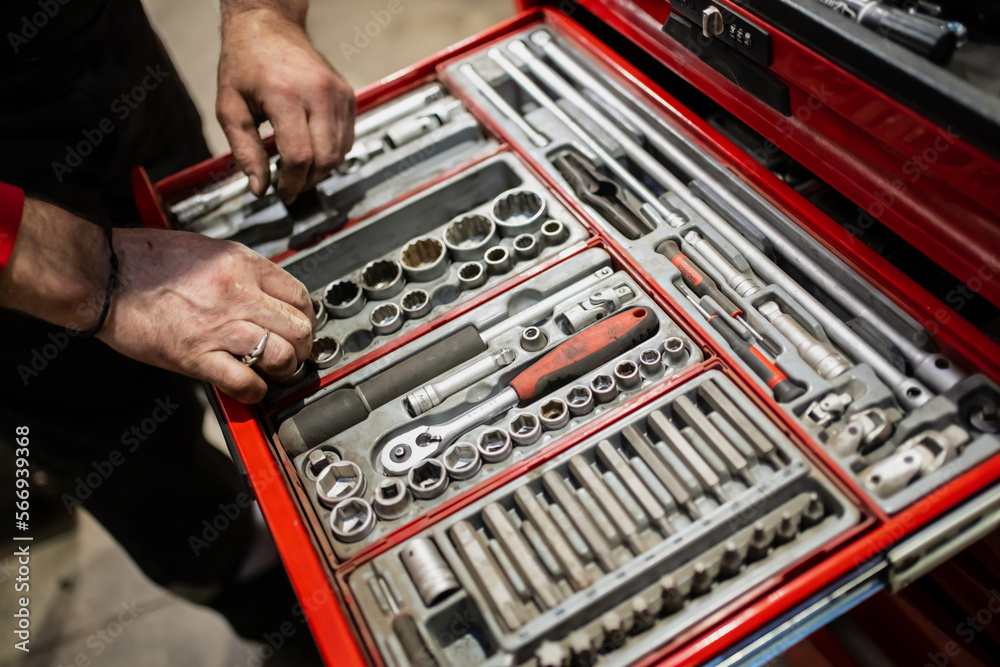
(604, 388)
(518, 211)
(318, 460)
(352, 520)
(343, 299)
(554, 232)
(468, 236)
(580, 401)
(326, 352)
(424, 259)
(386, 319)
(554, 414)
(498, 260)
(391, 498)
(381, 279)
(533, 339)
(673, 349)
(627, 374)
(415, 304)
(338, 482)
(321, 315)
(494, 445)
(462, 460)
(525, 247)
(428, 479)
(650, 361)
(525, 429)
(471, 275)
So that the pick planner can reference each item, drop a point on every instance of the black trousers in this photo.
(124, 438)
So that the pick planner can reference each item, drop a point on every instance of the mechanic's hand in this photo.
(269, 70)
(192, 305)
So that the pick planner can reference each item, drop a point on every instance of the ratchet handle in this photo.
(700, 284)
(585, 351)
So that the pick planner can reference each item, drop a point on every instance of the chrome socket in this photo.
(525, 247)
(533, 339)
(518, 211)
(381, 279)
(525, 429)
(386, 319)
(415, 304)
(428, 570)
(318, 460)
(673, 349)
(352, 520)
(580, 401)
(428, 479)
(461, 460)
(494, 445)
(650, 361)
(468, 236)
(471, 275)
(424, 259)
(326, 352)
(554, 414)
(339, 481)
(498, 261)
(554, 232)
(343, 299)
(391, 498)
(627, 375)
(604, 388)
(321, 315)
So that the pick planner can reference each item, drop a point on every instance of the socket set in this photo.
(398, 146)
(859, 374)
(411, 262)
(630, 536)
(519, 394)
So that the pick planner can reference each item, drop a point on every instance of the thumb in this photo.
(241, 131)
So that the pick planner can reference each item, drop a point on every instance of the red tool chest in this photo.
(718, 466)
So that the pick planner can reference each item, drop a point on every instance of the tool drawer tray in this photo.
(629, 537)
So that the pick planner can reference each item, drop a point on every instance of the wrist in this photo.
(258, 14)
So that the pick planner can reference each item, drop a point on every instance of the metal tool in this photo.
(518, 211)
(525, 429)
(386, 319)
(533, 339)
(598, 305)
(932, 368)
(339, 481)
(917, 457)
(627, 375)
(685, 451)
(227, 190)
(720, 444)
(416, 303)
(554, 233)
(427, 479)
(553, 414)
(650, 361)
(491, 581)
(507, 111)
(622, 521)
(604, 388)
(821, 357)
(382, 279)
(580, 401)
(574, 357)
(423, 259)
(340, 409)
(343, 299)
(614, 461)
(526, 247)
(824, 410)
(582, 520)
(461, 460)
(430, 573)
(603, 194)
(318, 460)
(742, 283)
(554, 539)
(352, 520)
(545, 593)
(433, 394)
(644, 449)
(494, 445)
(498, 260)
(784, 389)
(391, 498)
(407, 631)
(713, 395)
(673, 348)
(468, 236)
(864, 431)
(326, 352)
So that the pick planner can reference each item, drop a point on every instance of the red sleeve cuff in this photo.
(11, 210)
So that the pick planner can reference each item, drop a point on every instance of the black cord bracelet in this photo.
(112, 284)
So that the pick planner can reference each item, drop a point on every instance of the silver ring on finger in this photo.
(255, 354)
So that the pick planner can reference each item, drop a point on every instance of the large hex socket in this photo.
(391, 499)
(326, 352)
(430, 573)
(461, 460)
(518, 211)
(352, 520)
(428, 479)
(339, 481)
(494, 445)
(525, 429)
(468, 236)
(424, 259)
(382, 279)
(343, 299)
(554, 414)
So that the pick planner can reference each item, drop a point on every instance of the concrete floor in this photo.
(83, 583)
